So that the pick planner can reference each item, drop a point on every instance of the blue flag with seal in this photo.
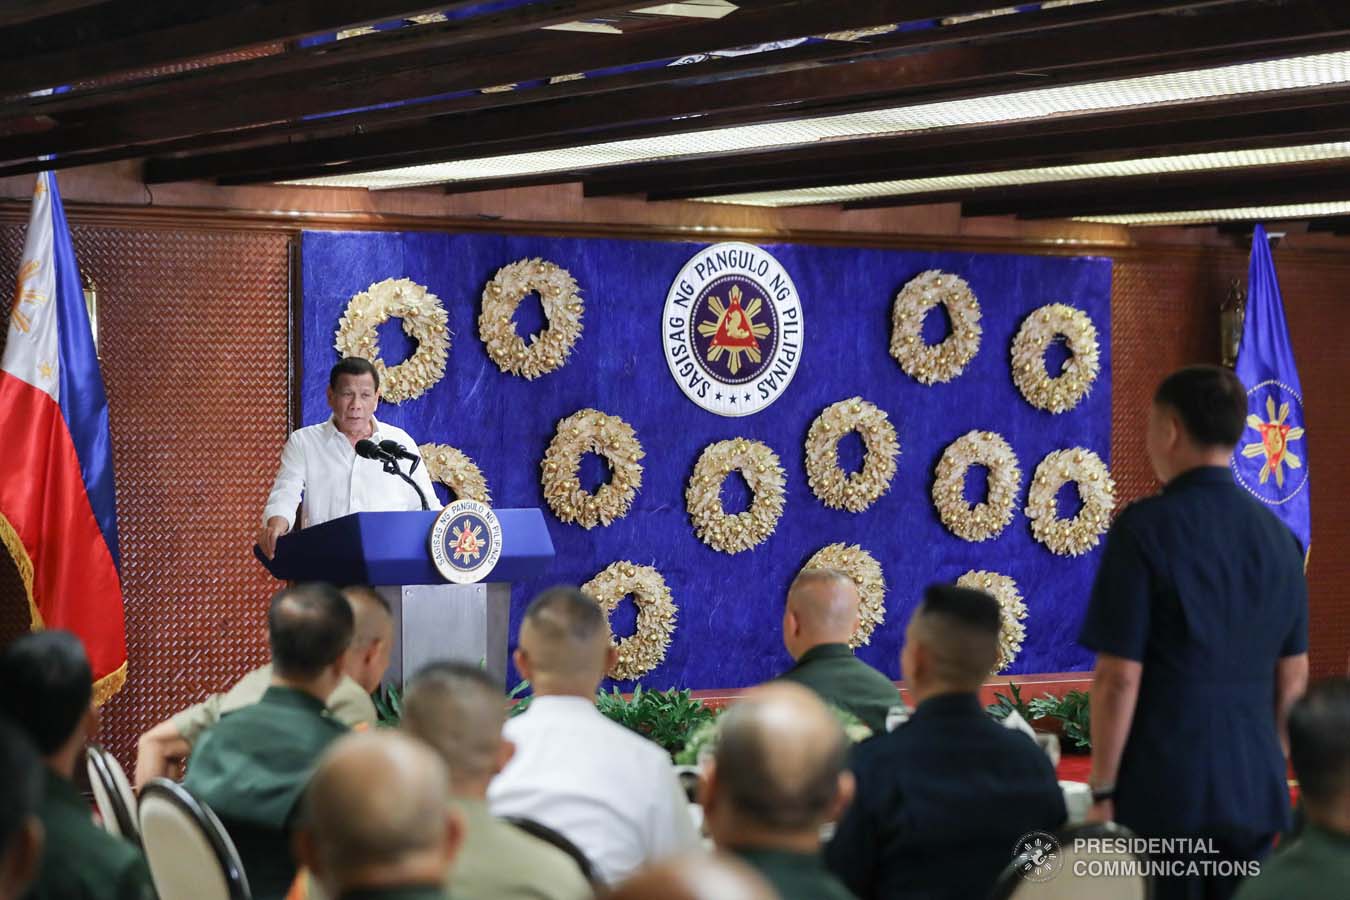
(1271, 459)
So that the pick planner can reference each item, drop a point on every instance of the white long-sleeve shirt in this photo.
(321, 465)
(606, 789)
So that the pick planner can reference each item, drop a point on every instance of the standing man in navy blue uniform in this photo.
(1199, 618)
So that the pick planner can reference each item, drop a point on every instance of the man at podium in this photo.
(321, 463)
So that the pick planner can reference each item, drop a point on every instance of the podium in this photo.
(433, 619)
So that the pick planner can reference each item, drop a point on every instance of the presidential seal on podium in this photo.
(466, 541)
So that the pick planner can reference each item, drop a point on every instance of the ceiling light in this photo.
(1233, 214)
(1172, 87)
(1157, 165)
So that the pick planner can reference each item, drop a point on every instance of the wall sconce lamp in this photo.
(1232, 312)
(91, 306)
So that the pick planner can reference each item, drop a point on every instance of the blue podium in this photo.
(433, 619)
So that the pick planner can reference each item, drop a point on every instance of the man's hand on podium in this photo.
(267, 536)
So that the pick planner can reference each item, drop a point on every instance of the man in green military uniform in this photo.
(252, 767)
(46, 688)
(778, 775)
(821, 617)
(1315, 862)
(167, 744)
(377, 821)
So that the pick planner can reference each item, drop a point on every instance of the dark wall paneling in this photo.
(193, 339)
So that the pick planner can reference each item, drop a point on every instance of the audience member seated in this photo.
(821, 617)
(252, 767)
(46, 689)
(696, 876)
(942, 799)
(1317, 862)
(459, 711)
(20, 799)
(611, 792)
(161, 748)
(376, 822)
(776, 778)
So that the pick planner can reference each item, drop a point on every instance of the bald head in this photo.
(822, 608)
(458, 711)
(564, 644)
(778, 764)
(951, 643)
(377, 813)
(697, 876)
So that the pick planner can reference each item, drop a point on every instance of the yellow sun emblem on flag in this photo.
(734, 330)
(468, 542)
(1274, 443)
(23, 294)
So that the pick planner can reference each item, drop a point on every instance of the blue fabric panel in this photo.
(728, 632)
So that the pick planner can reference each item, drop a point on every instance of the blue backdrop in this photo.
(730, 607)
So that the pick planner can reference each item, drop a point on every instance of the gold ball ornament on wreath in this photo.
(1011, 631)
(1062, 392)
(560, 297)
(945, 360)
(452, 468)
(854, 491)
(1096, 489)
(985, 520)
(645, 649)
(764, 475)
(592, 431)
(424, 320)
(865, 572)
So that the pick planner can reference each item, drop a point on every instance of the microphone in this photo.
(370, 450)
(397, 450)
(387, 453)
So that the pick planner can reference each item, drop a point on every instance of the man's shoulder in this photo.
(535, 863)
(79, 851)
(394, 433)
(351, 705)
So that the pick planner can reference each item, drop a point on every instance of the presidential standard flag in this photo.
(1271, 459)
(57, 518)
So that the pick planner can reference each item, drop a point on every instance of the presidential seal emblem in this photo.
(1267, 462)
(1037, 855)
(466, 541)
(732, 329)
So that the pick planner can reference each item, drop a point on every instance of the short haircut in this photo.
(309, 626)
(757, 790)
(459, 710)
(20, 782)
(1210, 401)
(45, 686)
(566, 612)
(1319, 740)
(371, 611)
(960, 627)
(353, 365)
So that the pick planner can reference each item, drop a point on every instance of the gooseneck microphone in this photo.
(371, 450)
(389, 460)
(395, 449)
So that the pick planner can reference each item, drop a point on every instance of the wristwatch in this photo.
(1104, 793)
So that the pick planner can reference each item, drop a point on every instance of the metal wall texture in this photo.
(195, 350)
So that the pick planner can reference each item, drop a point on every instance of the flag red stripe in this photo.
(42, 494)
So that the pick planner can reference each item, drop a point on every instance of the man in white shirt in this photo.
(320, 463)
(606, 789)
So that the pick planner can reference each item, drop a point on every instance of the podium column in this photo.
(466, 623)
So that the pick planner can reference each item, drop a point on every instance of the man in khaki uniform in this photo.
(161, 748)
(46, 689)
(252, 767)
(459, 711)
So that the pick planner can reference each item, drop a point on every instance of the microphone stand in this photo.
(391, 468)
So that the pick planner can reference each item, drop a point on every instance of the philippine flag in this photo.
(57, 514)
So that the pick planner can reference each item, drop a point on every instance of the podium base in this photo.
(465, 623)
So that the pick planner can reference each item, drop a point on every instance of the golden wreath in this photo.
(943, 361)
(1011, 631)
(1065, 391)
(646, 647)
(983, 520)
(1096, 488)
(558, 294)
(452, 468)
(424, 321)
(865, 572)
(764, 475)
(591, 431)
(857, 490)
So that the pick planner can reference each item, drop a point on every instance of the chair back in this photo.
(1081, 872)
(549, 836)
(191, 856)
(113, 795)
